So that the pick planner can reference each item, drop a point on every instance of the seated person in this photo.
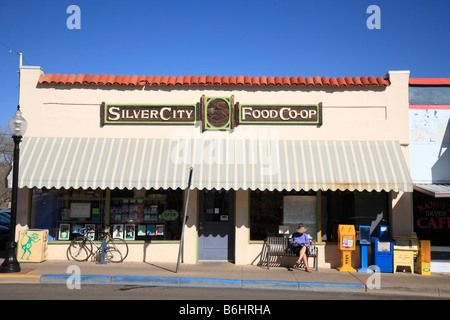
(299, 242)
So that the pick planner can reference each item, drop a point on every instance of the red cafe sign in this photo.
(433, 214)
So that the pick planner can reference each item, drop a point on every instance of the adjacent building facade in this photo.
(429, 117)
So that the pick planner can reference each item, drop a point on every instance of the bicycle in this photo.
(81, 248)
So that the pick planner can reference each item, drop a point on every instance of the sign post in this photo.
(184, 219)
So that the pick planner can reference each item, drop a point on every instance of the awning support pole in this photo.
(184, 219)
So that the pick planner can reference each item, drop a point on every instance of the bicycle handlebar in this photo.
(84, 231)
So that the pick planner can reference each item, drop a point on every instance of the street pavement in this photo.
(229, 275)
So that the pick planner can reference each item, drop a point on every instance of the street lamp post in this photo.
(17, 127)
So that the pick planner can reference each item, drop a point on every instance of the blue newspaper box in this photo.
(383, 251)
(364, 241)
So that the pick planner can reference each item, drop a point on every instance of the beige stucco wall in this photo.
(351, 113)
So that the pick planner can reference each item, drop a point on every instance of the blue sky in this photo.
(244, 37)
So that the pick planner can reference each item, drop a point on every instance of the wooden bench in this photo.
(280, 246)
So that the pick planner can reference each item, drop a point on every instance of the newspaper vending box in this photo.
(346, 235)
(383, 251)
(364, 241)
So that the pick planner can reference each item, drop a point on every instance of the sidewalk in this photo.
(222, 274)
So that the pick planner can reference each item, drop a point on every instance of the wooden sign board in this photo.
(125, 114)
(215, 113)
(280, 114)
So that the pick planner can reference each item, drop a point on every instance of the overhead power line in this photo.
(15, 51)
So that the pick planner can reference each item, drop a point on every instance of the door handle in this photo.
(201, 227)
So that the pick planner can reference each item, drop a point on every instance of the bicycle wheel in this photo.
(116, 250)
(80, 249)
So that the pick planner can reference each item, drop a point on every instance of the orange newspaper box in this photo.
(347, 242)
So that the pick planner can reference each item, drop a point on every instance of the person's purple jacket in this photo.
(300, 238)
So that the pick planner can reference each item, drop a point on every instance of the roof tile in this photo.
(209, 80)
(278, 80)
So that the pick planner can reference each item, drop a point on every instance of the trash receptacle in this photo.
(32, 245)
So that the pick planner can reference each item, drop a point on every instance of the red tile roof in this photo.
(430, 81)
(134, 80)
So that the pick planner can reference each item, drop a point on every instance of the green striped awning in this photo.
(218, 163)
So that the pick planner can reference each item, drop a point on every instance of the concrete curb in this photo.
(405, 291)
(186, 282)
(20, 278)
(146, 281)
(335, 287)
(219, 283)
(63, 278)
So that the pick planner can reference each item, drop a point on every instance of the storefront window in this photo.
(275, 213)
(134, 214)
(64, 211)
(272, 213)
(432, 218)
(354, 208)
(146, 214)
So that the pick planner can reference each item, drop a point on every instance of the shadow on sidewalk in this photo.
(159, 267)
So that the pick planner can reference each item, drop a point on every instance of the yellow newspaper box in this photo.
(405, 249)
(346, 234)
(32, 245)
(424, 258)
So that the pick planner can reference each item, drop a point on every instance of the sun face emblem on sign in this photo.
(217, 113)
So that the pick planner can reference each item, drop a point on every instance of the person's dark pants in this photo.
(297, 249)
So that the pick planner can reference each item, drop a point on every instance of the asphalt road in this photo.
(128, 292)
(98, 301)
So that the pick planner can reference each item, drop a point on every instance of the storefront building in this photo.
(267, 153)
(429, 116)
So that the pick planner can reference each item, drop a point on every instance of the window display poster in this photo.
(76, 228)
(90, 229)
(130, 232)
(64, 231)
(117, 231)
(142, 230)
(159, 229)
(151, 230)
